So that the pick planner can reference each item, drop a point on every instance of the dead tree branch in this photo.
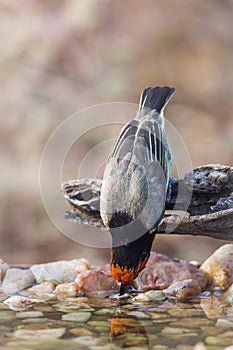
(204, 197)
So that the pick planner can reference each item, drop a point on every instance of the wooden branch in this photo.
(205, 196)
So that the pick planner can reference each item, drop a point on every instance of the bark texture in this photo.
(200, 204)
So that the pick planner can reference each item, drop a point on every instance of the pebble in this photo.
(199, 346)
(193, 322)
(185, 312)
(98, 323)
(184, 289)
(31, 314)
(65, 290)
(42, 288)
(88, 341)
(221, 322)
(39, 334)
(35, 320)
(16, 280)
(103, 312)
(19, 303)
(77, 316)
(212, 307)
(73, 306)
(162, 271)
(59, 271)
(7, 316)
(218, 268)
(38, 344)
(222, 339)
(151, 295)
(175, 330)
(138, 314)
(80, 332)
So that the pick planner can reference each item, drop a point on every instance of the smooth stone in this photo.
(221, 322)
(77, 316)
(16, 280)
(218, 268)
(39, 334)
(185, 312)
(67, 290)
(151, 295)
(193, 322)
(73, 306)
(31, 314)
(175, 330)
(36, 320)
(98, 323)
(103, 312)
(88, 341)
(80, 332)
(199, 346)
(42, 288)
(103, 347)
(212, 307)
(44, 344)
(138, 314)
(222, 339)
(19, 303)
(59, 271)
(7, 316)
(184, 289)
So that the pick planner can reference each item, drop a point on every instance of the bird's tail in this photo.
(155, 98)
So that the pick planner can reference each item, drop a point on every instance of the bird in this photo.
(135, 187)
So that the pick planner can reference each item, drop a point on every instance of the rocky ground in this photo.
(70, 304)
(162, 278)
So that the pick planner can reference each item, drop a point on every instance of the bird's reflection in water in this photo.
(127, 331)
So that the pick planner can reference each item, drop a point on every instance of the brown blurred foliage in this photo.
(60, 56)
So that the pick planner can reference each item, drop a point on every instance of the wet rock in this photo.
(42, 288)
(185, 312)
(31, 314)
(88, 341)
(96, 283)
(19, 303)
(162, 271)
(38, 344)
(138, 314)
(175, 330)
(222, 323)
(184, 289)
(199, 346)
(16, 280)
(3, 269)
(212, 307)
(59, 271)
(77, 316)
(72, 306)
(80, 332)
(192, 322)
(218, 268)
(222, 339)
(65, 290)
(103, 312)
(7, 317)
(39, 334)
(151, 295)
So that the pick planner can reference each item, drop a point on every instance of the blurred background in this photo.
(59, 56)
